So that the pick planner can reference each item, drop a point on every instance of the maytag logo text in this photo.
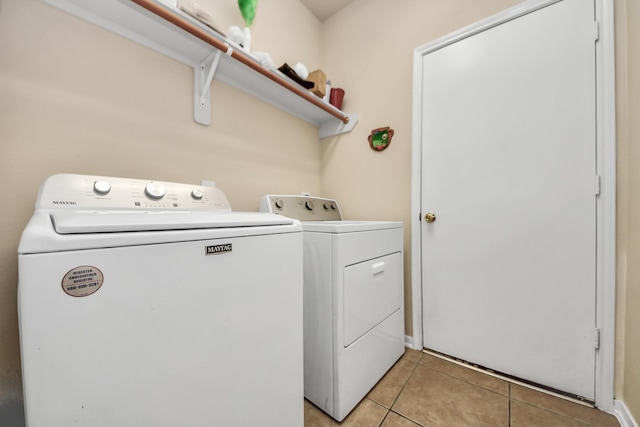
(217, 249)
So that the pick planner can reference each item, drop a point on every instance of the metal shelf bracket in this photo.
(203, 76)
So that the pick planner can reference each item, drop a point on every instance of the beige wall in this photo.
(628, 128)
(79, 99)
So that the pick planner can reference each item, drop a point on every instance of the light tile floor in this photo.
(422, 390)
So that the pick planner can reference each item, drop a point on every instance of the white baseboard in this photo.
(408, 342)
(623, 415)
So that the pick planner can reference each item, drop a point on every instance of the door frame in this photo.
(605, 166)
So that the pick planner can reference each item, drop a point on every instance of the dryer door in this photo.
(372, 292)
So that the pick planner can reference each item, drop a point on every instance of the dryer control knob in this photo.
(197, 194)
(155, 191)
(334, 206)
(308, 205)
(326, 206)
(101, 187)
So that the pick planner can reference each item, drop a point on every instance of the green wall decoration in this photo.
(380, 138)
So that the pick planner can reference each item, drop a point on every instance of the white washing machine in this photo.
(353, 300)
(153, 304)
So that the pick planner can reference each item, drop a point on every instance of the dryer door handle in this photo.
(378, 268)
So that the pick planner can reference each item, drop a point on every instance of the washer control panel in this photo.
(74, 192)
(303, 208)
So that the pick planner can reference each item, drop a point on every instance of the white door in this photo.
(509, 170)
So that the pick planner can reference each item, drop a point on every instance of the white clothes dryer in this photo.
(153, 304)
(353, 300)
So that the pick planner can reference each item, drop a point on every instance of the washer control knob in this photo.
(279, 204)
(197, 194)
(155, 191)
(101, 187)
(327, 206)
(308, 205)
(334, 206)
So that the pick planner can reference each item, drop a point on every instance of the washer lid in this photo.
(348, 226)
(90, 232)
(87, 222)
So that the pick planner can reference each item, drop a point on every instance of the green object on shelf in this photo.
(248, 10)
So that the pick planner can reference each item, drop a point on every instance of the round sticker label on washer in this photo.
(82, 281)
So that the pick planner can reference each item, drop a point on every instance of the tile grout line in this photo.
(557, 414)
(509, 398)
(463, 365)
(385, 417)
(506, 379)
(408, 419)
(468, 382)
(417, 363)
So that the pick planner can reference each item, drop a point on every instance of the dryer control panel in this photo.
(79, 192)
(302, 208)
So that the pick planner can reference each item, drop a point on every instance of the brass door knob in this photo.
(430, 217)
